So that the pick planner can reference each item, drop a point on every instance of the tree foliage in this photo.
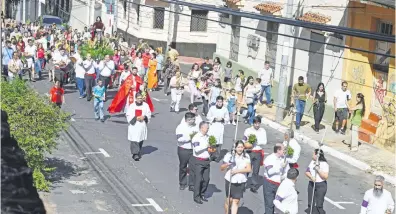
(97, 49)
(34, 124)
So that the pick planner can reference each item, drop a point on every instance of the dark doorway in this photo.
(234, 44)
(315, 63)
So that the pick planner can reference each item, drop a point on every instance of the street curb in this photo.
(339, 155)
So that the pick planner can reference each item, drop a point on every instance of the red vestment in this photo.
(127, 93)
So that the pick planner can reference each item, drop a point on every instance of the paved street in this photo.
(98, 175)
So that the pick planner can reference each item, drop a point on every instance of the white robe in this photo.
(217, 129)
(138, 132)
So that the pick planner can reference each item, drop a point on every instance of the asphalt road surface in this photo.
(109, 181)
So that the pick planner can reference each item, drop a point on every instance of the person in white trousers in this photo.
(177, 89)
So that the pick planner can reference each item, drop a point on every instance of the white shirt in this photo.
(323, 166)
(80, 71)
(87, 35)
(58, 58)
(106, 68)
(200, 146)
(342, 98)
(265, 76)
(297, 150)
(87, 64)
(377, 205)
(261, 136)
(238, 86)
(286, 199)
(183, 132)
(14, 63)
(273, 168)
(138, 131)
(198, 120)
(237, 162)
(215, 112)
(216, 129)
(31, 50)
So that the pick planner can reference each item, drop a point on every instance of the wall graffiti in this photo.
(379, 86)
(392, 84)
(358, 79)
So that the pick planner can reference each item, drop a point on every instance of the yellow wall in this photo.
(359, 72)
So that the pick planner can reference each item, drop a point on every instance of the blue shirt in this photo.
(99, 91)
(160, 62)
(7, 55)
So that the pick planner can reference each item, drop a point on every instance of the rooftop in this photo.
(315, 18)
(269, 7)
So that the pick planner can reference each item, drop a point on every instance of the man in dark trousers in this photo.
(202, 162)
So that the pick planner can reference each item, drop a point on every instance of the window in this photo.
(199, 20)
(382, 62)
(159, 18)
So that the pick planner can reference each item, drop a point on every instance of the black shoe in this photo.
(191, 188)
(97, 119)
(170, 109)
(253, 190)
(198, 201)
(297, 127)
(182, 187)
(102, 120)
(342, 131)
(203, 198)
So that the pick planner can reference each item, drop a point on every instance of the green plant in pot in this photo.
(290, 151)
(252, 139)
(212, 143)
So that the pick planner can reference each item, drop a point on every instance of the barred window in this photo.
(198, 20)
(159, 18)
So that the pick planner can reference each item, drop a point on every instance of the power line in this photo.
(273, 32)
(293, 22)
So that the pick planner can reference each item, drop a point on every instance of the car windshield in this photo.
(52, 20)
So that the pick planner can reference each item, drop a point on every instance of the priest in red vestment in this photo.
(126, 94)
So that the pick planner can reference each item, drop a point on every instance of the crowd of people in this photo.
(137, 70)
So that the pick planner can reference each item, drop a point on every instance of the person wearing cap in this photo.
(286, 199)
(138, 115)
(377, 200)
(184, 134)
(296, 148)
(200, 144)
(256, 151)
(274, 172)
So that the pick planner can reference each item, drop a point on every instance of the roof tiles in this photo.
(315, 18)
(269, 7)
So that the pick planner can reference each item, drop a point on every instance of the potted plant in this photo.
(252, 139)
(290, 151)
(192, 135)
(212, 144)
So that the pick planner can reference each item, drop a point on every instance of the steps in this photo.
(368, 128)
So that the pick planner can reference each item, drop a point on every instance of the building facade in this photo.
(192, 34)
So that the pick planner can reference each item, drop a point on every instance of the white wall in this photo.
(144, 29)
(79, 14)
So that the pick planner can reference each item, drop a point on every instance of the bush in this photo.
(34, 124)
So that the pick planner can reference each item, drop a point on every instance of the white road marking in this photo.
(337, 204)
(83, 182)
(75, 191)
(156, 99)
(91, 153)
(155, 205)
(152, 203)
(104, 153)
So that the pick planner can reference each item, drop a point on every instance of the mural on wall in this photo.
(379, 89)
(357, 78)
(253, 43)
(392, 84)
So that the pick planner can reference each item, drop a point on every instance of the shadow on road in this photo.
(63, 170)
(211, 190)
(244, 210)
(146, 150)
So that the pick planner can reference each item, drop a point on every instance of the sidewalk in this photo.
(368, 158)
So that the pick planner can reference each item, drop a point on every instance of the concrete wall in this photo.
(195, 44)
(79, 15)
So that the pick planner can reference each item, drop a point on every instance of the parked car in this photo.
(48, 20)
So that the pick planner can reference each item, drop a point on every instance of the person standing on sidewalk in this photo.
(57, 94)
(99, 94)
(90, 76)
(256, 151)
(266, 76)
(318, 174)
(274, 172)
(319, 99)
(341, 98)
(300, 93)
(377, 200)
(184, 132)
(356, 120)
(138, 115)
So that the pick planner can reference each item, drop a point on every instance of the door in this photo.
(235, 35)
(315, 63)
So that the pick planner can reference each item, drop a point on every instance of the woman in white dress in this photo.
(193, 78)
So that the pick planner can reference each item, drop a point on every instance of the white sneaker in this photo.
(234, 123)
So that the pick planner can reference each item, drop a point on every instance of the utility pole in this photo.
(284, 72)
(171, 21)
(115, 15)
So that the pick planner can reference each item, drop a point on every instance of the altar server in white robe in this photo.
(217, 116)
(138, 115)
